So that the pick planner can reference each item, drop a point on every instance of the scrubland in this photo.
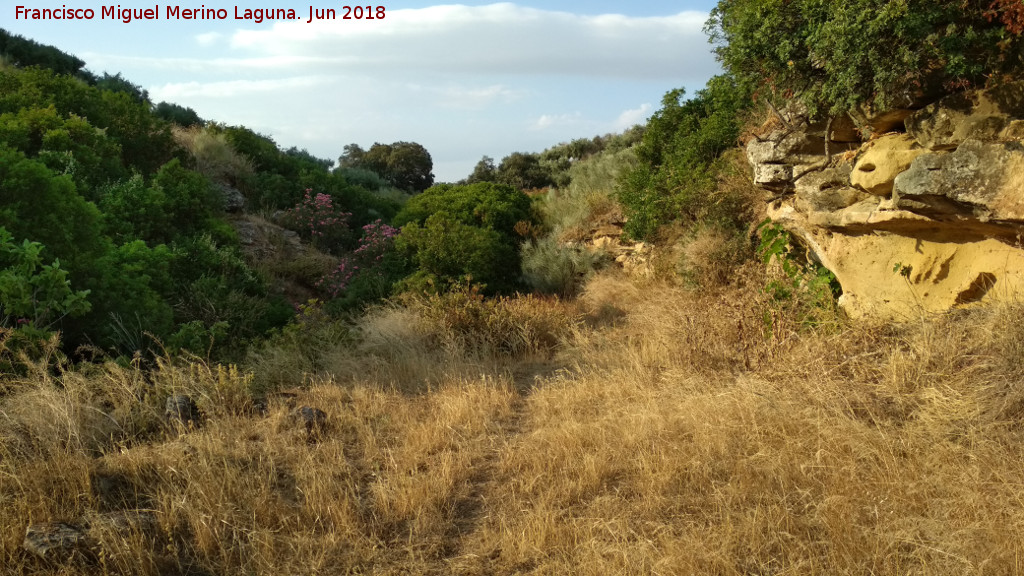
(642, 428)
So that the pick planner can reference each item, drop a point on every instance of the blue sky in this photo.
(465, 80)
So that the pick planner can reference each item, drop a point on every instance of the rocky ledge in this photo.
(925, 213)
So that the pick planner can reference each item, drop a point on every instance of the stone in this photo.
(312, 419)
(262, 240)
(773, 175)
(1014, 131)
(181, 410)
(827, 190)
(979, 180)
(981, 115)
(883, 122)
(55, 542)
(881, 160)
(234, 201)
(781, 147)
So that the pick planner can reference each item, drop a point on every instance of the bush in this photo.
(676, 176)
(190, 198)
(32, 294)
(836, 54)
(179, 202)
(487, 205)
(444, 251)
(711, 256)
(555, 268)
(571, 211)
(45, 208)
(366, 265)
(69, 146)
(319, 222)
(219, 299)
(214, 156)
(463, 319)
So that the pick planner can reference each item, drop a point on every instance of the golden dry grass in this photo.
(643, 429)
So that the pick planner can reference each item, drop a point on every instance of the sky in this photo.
(464, 80)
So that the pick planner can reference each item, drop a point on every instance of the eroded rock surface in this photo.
(925, 218)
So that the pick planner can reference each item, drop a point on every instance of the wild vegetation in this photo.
(218, 356)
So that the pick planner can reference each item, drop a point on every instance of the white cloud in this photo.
(547, 121)
(494, 39)
(630, 118)
(232, 88)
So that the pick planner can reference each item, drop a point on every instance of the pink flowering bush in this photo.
(366, 261)
(316, 219)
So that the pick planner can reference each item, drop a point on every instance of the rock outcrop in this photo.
(927, 217)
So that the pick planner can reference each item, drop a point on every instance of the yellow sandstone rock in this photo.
(881, 160)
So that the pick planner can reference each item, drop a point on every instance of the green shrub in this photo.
(445, 250)
(552, 267)
(132, 297)
(190, 198)
(837, 54)
(45, 208)
(677, 170)
(453, 231)
(217, 295)
(33, 294)
(487, 205)
(807, 288)
(569, 212)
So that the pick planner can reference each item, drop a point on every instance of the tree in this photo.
(484, 171)
(23, 52)
(352, 156)
(405, 165)
(523, 171)
(176, 114)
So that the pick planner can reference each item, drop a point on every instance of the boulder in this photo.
(784, 156)
(978, 180)
(881, 160)
(181, 410)
(983, 115)
(827, 190)
(312, 419)
(234, 201)
(56, 542)
(61, 543)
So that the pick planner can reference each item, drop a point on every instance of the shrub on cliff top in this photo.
(838, 54)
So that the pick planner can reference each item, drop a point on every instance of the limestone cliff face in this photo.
(938, 197)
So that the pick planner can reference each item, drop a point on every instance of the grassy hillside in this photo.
(629, 431)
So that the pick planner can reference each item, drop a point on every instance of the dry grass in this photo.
(645, 429)
(213, 155)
